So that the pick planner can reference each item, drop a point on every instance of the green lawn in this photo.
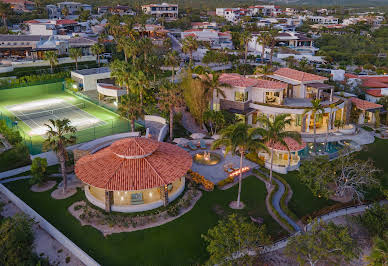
(113, 123)
(303, 201)
(378, 152)
(176, 243)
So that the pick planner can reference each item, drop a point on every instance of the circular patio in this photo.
(134, 174)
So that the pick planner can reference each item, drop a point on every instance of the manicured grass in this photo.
(303, 201)
(378, 152)
(176, 243)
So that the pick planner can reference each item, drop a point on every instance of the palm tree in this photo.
(122, 45)
(213, 84)
(172, 59)
(189, 45)
(170, 97)
(5, 11)
(273, 132)
(245, 38)
(239, 138)
(263, 38)
(57, 140)
(121, 72)
(74, 54)
(146, 46)
(130, 108)
(315, 108)
(273, 33)
(139, 83)
(52, 57)
(97, 49)
(65, 11)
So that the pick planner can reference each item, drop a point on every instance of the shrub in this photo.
(199, 179)
(38, 171)
(173, 210)
(375, 220)
(226, 181)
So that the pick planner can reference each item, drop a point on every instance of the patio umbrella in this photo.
(180, 141)
(197, 136)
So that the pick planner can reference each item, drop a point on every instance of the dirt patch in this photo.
(59, 195)
(344, 199)
(43, 187)
(234, 205)
(110, 223)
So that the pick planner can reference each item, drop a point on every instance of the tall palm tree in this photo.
(239, 138)
(263, 39)
(130, 108)
(272, 34)
(121, 72)
(146, 46)
(213, 84)
(122, 46)
(74, 54)
(172, 59)
(52, 57)
(170, 97)
(189, 45)
(139, 84)
(58, 138)
(245, 38)
(5, 11)
(273, 132)
(315, 108)
(97, 49)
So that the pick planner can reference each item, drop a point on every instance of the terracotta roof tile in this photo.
(292, 144)
(374, 92)
(365, 105)
(106, 170)
(298, 75)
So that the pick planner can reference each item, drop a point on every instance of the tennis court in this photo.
(36, 114)
(31, 107)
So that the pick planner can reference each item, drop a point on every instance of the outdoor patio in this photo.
(216, 173)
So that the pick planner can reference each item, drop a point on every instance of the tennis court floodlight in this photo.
(74, 86)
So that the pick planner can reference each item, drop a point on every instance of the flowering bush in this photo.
(228, 180)
(199, 179)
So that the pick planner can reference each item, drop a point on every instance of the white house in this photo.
(167, 11)
(215, 38)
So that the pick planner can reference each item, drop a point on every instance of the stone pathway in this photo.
(276, 203)
(189, 123)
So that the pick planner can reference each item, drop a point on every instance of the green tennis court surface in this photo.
(33, 106)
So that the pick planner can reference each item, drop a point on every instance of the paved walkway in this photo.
(276, 202)
(188, 122)
(363, 137)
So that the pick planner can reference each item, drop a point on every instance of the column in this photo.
(249, 119)
(108, 200)
(342, 114)
(308, 122)
(303, 125)
(331, 95)
(165, 198)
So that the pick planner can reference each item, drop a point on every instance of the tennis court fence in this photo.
(110, 127)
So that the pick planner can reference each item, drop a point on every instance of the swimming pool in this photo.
(331, 149)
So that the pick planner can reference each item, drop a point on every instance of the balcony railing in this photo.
(301, 104)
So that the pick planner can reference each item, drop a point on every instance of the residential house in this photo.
(52, 27)
(116, 10)
(216, 39)
(167, 11)
(20, 6)
(329, 20)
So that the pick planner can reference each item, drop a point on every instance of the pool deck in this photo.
(216, 173)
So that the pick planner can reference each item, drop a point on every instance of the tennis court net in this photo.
(26, 116)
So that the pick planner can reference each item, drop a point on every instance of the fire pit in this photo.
(207, 158)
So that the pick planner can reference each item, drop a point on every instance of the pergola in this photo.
(110, 90)
(134, 174)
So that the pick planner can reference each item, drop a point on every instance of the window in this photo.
(241, 96)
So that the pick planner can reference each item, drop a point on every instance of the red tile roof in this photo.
(374, 92)
(65, 21)
(365, 105)
(107, 170)
(292, 144)
(298, 75)
(237, 80)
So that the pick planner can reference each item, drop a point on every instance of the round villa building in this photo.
(134, 174)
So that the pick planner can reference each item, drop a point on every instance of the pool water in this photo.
(331, 149)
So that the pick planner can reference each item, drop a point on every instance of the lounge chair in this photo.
(202, 144)
(192, 146)
(137, 198)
